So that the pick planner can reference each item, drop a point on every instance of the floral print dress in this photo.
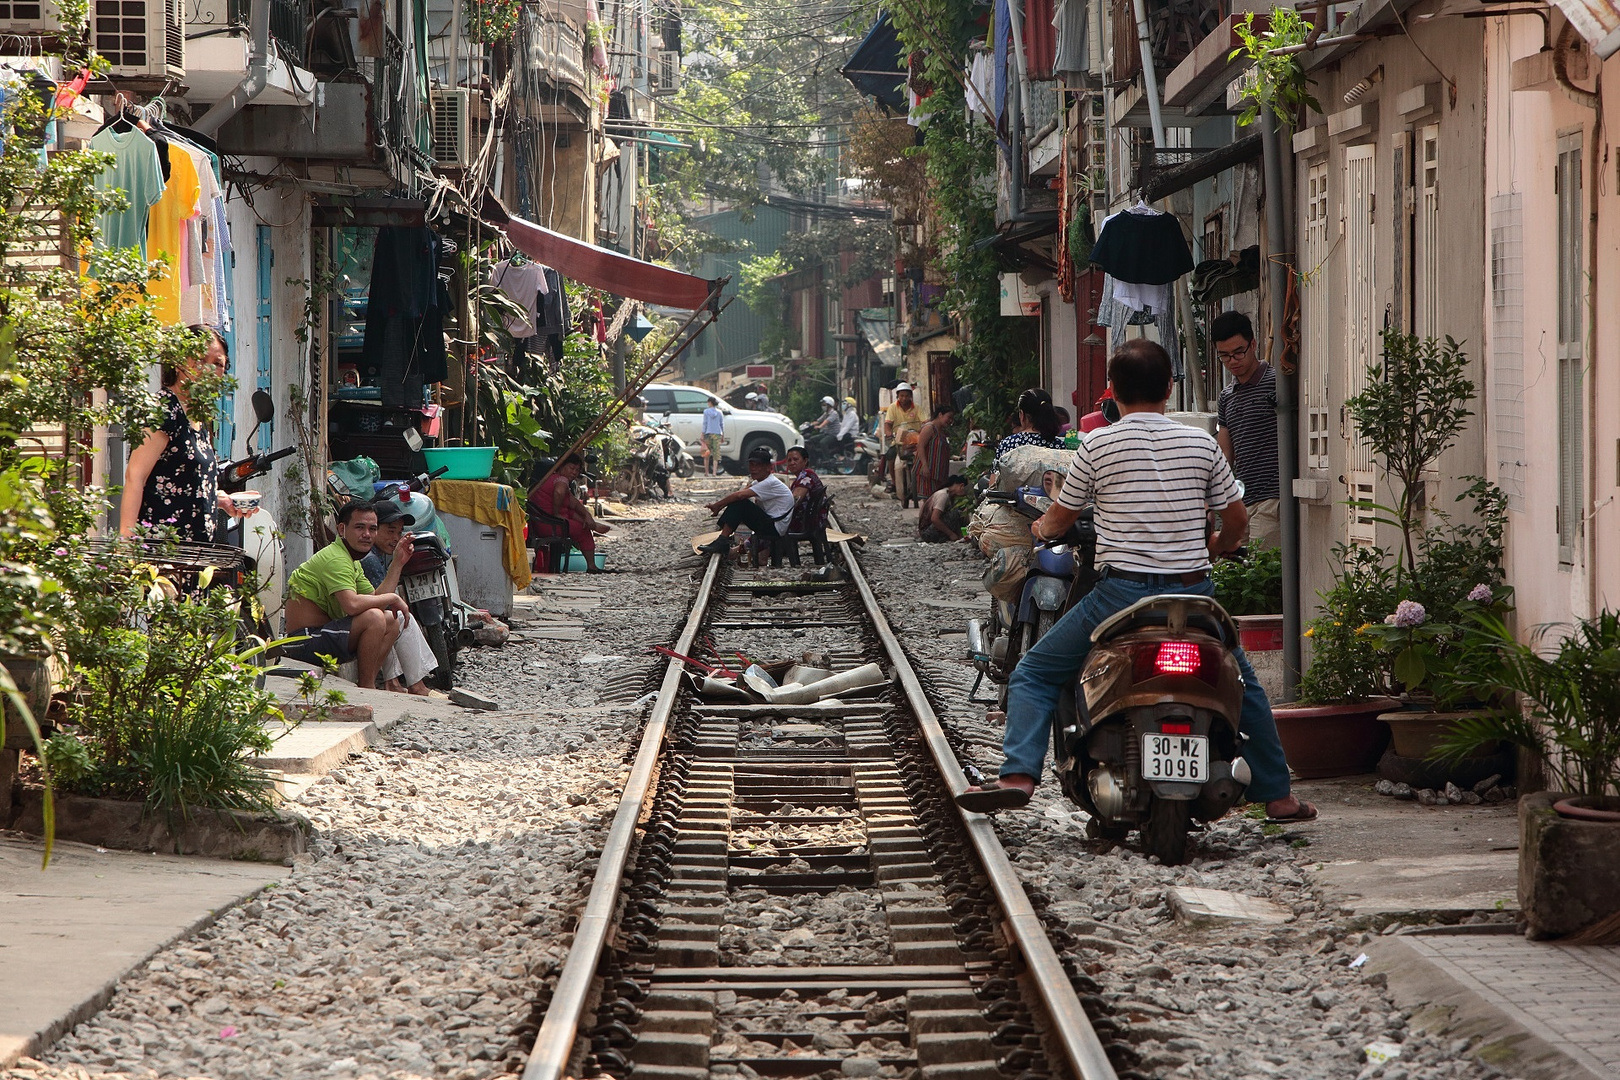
(181, 492)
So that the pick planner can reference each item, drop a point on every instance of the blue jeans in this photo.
(1046, 670)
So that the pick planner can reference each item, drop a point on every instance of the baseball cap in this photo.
(389, 510)
(902, 386)
(762, 454)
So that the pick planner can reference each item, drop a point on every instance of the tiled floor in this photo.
(1568, 995)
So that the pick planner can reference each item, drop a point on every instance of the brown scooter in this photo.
(1149, 737)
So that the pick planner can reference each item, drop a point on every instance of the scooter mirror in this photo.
(264, 407)
(413, 439)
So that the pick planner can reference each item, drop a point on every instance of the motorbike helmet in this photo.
(750, 396)
(899, 387)
(828, 401)
(849, 401)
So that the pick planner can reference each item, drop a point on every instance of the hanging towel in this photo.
(1142, 247)
(493, 505)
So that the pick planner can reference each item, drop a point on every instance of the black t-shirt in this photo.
(1248, 411)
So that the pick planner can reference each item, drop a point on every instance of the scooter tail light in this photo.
(1178, 658)
(1175, 659)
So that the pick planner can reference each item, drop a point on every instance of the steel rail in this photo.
(554, 1043)
(1073, 1028)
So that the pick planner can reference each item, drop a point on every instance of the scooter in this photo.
(428, 581)
(831, 453)
(1147, 737)
(653, 457)
(1058, 574)
(255, 534)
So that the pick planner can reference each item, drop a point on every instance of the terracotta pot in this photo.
(1416, 732)
(1333, 740)
(1569, 869)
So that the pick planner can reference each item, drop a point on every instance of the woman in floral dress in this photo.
(172, 479)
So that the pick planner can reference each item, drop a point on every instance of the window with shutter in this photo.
(1571, 439)
(1361, 335)
(1315, 361)
(1427, 230)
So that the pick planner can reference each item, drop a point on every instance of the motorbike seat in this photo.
(1190, 611)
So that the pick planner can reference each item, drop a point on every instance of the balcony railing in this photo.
(289, 26)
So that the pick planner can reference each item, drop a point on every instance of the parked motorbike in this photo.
(1058, 574)
(657, 454)
(428, 580)
(256, 534)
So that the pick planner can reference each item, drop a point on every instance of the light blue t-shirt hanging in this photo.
(137, 172)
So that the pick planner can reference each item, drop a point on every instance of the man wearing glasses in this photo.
(1247, 419)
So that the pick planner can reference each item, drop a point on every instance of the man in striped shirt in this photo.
(1246, 419)
(1150, 481)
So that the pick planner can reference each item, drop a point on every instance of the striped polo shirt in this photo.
(1152, 480)
(1248, 412)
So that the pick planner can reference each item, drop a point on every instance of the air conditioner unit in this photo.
(666, 72)
(141, 39)
(28, 18)
(452, 123)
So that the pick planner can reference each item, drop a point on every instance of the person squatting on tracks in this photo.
(764, 505)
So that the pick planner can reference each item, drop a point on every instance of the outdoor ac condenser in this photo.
(452, 120)
(141, 39)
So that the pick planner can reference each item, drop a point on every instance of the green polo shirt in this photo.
(325, 574)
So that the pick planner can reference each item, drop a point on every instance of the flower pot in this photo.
(1333, 740)
(1262, 639)
(1414, 733)
(1569, 869)
(33, 678)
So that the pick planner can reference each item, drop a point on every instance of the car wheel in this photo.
(754, 442)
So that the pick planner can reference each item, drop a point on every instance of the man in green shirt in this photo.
(330, 599)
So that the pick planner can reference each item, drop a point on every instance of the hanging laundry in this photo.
(523, 283)
(1142, 245)
(1216, 279)
(404, 293)
(981, 89)
(166, 236)
(199, 305)
(1128, 304)
(137, 172)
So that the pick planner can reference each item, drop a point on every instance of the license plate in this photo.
(424, 587)
(1175, 757)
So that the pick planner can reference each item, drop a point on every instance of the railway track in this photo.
(788, 891)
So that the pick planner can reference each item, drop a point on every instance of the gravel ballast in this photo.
(437, 900)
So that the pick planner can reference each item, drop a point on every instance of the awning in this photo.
(1598, 21)
(876, 328)
(877, 67)
(602, 268)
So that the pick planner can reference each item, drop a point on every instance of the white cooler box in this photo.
(480, 570)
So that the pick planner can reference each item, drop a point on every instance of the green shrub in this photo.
(1251, 585)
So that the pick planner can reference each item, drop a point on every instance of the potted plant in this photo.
(1392, 615)
(1564, 708)
(1250, 589)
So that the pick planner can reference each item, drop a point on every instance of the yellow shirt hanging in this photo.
(166, 233)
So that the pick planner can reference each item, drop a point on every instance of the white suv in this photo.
(681, 407)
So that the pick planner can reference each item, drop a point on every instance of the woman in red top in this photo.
(555, 496)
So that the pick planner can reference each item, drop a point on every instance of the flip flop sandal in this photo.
(988, 798)
(1306, 812)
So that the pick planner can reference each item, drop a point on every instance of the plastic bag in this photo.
(994, 526)
(358, 475)
(1023, 466)
(1004, 577)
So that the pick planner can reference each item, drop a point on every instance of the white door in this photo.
(1361, 330)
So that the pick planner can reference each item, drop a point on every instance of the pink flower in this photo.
(1410, 613)
(1480, 594)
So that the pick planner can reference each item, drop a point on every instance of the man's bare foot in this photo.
(419, 688)
(394, 686)
(995, 716)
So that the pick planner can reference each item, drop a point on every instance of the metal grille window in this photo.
(1361, 336)
(1507, 344)
(1315, 305)
(1570, 279)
